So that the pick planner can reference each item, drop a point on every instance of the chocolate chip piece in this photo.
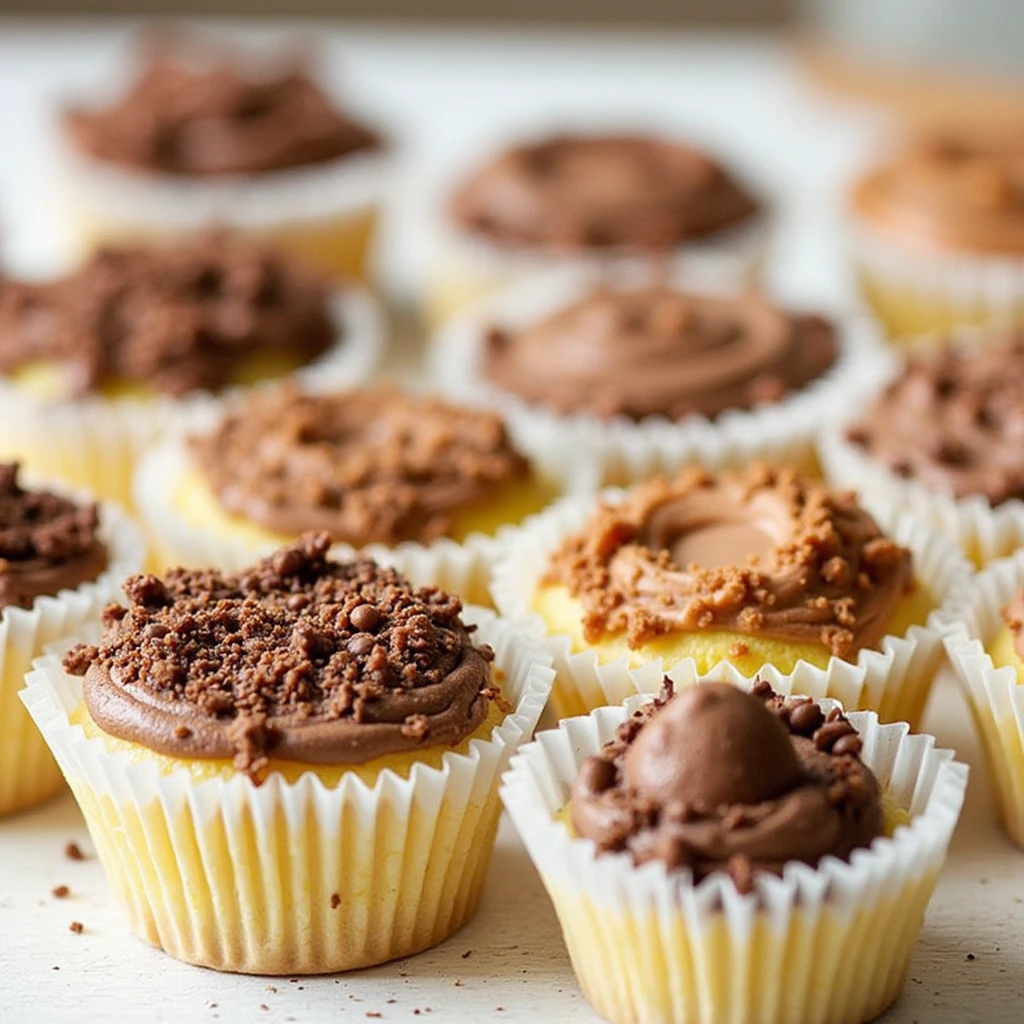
(365, 618)
(806, 718)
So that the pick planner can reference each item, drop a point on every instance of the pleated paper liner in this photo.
(295, 878)
(28, 774)
(994, 694)
(825, 945)
(894, 680)
(95, 442)
(624, 450)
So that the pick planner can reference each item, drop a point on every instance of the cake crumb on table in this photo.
(73, 851)
(61, 891)
(77, 927)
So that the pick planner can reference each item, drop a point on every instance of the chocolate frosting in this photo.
(366, 466)
(210, 117)
(573, 192)
(47, 542)
(180, 318)
(953, 420)
(954, 192)
(656, 351)
(715, 779)
(767, 553)
(301, 657)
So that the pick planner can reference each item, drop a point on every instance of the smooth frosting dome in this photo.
(654, 350)
(571, 192)
(956, 192)
(300, 658)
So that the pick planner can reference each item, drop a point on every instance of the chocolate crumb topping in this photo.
(47, 542)
(366, 466)
(954, 420)
(767, 553)
(300, 658)
(210, 117)
(655, 351)
(571, 193)
(715, 779)
(183, 317)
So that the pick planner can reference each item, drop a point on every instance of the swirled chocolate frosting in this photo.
(767, 553)
(366, 466)
(574, 192)
(656, 351)
(210, 117)
(300, 658)
(47, 542)
(950, 192)
(953, 420)
(183, 317)
(715, 779)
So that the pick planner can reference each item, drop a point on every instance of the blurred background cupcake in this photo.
(206, 134)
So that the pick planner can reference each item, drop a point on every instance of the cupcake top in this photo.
(301, 658)
(574, 193)
(767, 553)
(658, 351)
(953, 420)
(960, 193)
(47, 543)
(366, 466)
(210, 117)
(715, 779)
(184, 317)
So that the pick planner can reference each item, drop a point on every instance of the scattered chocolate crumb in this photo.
(970, 956)
(272, 989)
(374, 1013)
(61, 891)
(73, 851)
(77, 927)
(263, 1006)
(457, 983)
(335, 901)
(467, 954)
(55, 968)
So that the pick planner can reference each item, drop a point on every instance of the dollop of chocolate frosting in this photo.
(656, 351)
(366, 466)
(47, 542)
(716, 779)
(767, 553)
(205, 115)
(301, 658)
(573, 192)
(953, 420)
(183, 317)
(958, 192)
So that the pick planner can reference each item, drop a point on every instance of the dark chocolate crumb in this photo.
(77, 927)
(970, 956)
(335, 901)
(73, 851)
(467, 954)
(61, 891)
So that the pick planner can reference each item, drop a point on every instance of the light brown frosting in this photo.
(767, 553)
(656, 351)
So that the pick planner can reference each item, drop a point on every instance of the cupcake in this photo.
(591, 199)
(61, 561)
(720, 856)
(294, 769)
(943, 438)
(95, 364)
(733, 574)
(651, 372)
(204, 135)
(986, 651)
(937, 233)
(432, 488)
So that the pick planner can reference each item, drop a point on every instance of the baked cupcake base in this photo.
(829, 945)
(294, 877)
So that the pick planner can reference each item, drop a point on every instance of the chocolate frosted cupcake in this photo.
(938, 233)
(205, 135)
(733, 574)
(657, 828)
(650, 373)
(62, 559)
(592, 199)
(943, 438)
(327, 709)
(93, 365)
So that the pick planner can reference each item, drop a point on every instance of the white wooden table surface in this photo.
(448, 95)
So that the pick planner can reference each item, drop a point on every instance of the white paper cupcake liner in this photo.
(95, 442)
(623, 450)
(27, 771)
(994, 694)
(293, 878)
(894, 680)
(825, 945)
